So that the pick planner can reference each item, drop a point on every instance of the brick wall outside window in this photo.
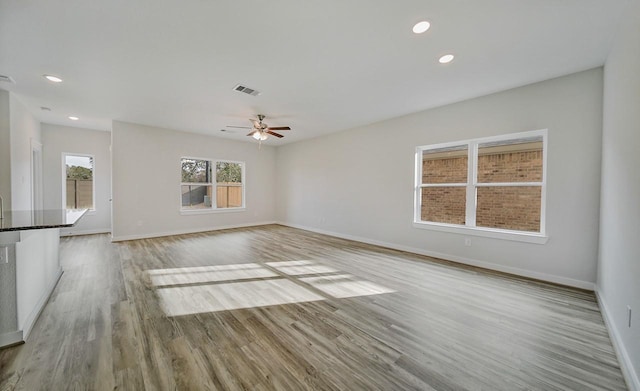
(445, 170)
(444, 204)
(515, 208)
(510, 167)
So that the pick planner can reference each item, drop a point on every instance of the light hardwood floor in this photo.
(278, 308)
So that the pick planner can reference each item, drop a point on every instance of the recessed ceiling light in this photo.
(447, 58)
(52, 78)
(421, 27)
(72, 118)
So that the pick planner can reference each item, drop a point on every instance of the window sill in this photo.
(186, 212)
(517, 236)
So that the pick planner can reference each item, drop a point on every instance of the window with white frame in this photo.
(203, 189)
(491, 184)
(79, 184)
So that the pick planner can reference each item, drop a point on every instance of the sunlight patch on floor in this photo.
(345, 285)
(296, 268)
(236, 295)
(202, 274)
(219, 288)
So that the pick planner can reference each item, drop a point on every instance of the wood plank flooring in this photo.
(179, 313)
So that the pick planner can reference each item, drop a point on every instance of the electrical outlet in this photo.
(4, 254)
(467, 242)
(629, 315)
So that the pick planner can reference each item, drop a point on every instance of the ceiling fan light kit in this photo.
(260, 136)
(260, 130)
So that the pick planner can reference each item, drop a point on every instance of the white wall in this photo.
(5, 150)
(619, 258)
(24, 128)
(146, 181)
(64, 139)
(359, 183)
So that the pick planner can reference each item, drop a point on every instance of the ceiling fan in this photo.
(261, 130)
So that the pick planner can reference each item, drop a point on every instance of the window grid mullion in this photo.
(214, 184)
(417, 207)
(195, 183)
(470, 217)
(508, 184)
(443, 185)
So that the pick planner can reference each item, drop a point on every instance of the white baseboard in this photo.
(187, 231)
(74, 232)
(628, 371)
(33, 316)
(467, 261)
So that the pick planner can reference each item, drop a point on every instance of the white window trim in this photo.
(469, 228)
(214, 207)
(93, 210)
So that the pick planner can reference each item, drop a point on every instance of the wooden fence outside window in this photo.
(79, 194)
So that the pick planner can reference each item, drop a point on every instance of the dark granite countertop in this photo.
(19, 220)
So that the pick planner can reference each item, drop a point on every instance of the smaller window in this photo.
(79, 189)
(198, 184)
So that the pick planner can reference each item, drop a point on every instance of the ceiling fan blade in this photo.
(239, 127)
(252, 133)
(279, 128)
(274, 133)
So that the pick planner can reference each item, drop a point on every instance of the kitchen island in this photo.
(29, 267)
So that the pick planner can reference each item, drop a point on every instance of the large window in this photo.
(201, 190)
(490, 184)
(79, 188)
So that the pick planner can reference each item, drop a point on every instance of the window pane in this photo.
(228, 172)
(196, 171)
(196, 196)
(510, 161)
(79, 187)
(229, 185)
(445, 165)
(229, 195)
(509, 207)
(444, 204)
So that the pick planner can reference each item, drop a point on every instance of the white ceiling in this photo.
(322, 66)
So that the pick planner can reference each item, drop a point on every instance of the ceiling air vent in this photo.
(7, 79)
(246, 90)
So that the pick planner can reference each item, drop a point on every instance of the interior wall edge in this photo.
(630, 375)
(587, 285)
